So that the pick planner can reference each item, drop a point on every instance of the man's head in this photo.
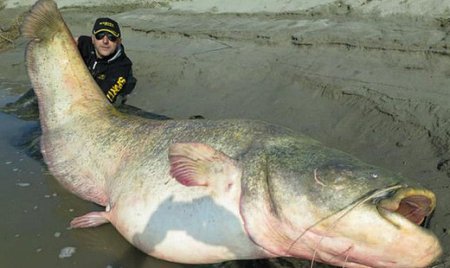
(106, 37)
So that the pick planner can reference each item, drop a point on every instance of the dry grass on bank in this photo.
(9, 31)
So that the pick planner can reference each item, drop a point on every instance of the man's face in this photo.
(104, 46)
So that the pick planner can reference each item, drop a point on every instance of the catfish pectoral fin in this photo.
(197, 164)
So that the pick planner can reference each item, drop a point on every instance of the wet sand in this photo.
(371, 84)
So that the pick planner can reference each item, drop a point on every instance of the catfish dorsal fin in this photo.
(198, 164)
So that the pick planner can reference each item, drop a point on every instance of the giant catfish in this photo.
(204, 191)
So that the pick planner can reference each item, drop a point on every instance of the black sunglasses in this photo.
(111, 37)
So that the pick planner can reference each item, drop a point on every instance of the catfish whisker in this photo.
(313, 258)
(346, 257)
(317, 179)
(372, 195)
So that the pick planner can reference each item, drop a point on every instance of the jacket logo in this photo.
(114, 90)
(101, 76)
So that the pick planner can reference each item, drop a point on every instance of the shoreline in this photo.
(371, 85)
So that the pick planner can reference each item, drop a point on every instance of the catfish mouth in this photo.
(414, 204)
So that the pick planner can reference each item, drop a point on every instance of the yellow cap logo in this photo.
(106, 23)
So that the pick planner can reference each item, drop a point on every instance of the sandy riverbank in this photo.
(367, 77)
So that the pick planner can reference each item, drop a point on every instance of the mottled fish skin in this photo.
(203, 191)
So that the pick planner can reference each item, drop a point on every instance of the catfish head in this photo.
(301, 199)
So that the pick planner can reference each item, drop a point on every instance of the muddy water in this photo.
(36, 212)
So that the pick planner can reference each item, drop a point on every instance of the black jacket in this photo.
(113, 74)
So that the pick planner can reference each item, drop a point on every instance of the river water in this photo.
(36, 212)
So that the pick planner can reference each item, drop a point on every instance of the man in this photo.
(104, 55)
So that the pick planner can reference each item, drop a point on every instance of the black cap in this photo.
(106, 25)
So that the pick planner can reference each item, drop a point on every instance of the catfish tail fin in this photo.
(43, 21)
